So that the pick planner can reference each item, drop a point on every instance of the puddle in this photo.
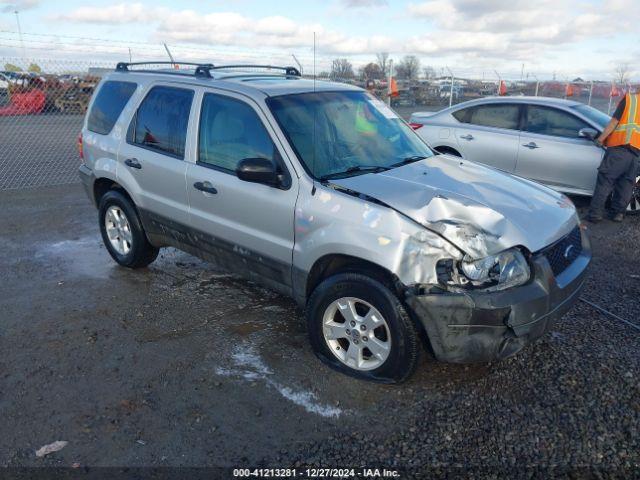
(247, 364)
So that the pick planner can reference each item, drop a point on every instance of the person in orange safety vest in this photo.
(619, 168)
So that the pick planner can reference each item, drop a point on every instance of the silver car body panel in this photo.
(568, 165)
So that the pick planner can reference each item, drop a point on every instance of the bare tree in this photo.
(429, 72)
(622, 73)
(371, 71)
(383, 61)
(341, 68)
(408, 68)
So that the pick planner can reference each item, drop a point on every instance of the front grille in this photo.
(564, 252)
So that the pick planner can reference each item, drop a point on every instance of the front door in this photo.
(151, 160)
(245, 227)
(551, 151)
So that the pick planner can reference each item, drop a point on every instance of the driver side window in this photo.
(230, 131)
(550, 121)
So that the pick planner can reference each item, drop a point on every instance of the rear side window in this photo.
(462, 115)
(108, 105)
(161, 121)
(496, 116)
(230, 131)
(550, 121)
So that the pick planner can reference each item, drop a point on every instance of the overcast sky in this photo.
(568, 37)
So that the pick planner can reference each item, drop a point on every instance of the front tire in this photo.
(359, 327)
(122, 231)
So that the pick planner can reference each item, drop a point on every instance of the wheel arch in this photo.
(448, 150)
(332, 264)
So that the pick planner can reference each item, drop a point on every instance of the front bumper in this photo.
(478, 327)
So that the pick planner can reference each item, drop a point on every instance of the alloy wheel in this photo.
(634, 205)
(356, 333)
(118, 230)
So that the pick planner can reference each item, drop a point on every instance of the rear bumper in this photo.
(87, 178)
(479, 327)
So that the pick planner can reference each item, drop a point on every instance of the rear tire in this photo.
(122, 231)
(391, 350)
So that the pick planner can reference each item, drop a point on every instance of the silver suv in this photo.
(320, 191)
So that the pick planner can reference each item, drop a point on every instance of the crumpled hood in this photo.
(479, 209)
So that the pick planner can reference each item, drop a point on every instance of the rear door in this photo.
(152, 157)
(245, 227)
(489, 134)
(552, 153)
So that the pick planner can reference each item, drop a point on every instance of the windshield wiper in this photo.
(406, 160)
(354, 170)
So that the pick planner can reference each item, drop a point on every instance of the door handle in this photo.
(205, 187)
(133, 163)
(530, 145)
(467, 137)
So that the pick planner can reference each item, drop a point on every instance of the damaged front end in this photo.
(521, 257)
(473, 324)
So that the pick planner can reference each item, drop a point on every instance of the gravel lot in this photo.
(184, 365)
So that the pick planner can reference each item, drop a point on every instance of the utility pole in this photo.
(590, 93)
(499, 81)
(24, 53)
(389, 82)
(451, 90)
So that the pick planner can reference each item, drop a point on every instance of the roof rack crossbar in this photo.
(290, 71)
(204, 69)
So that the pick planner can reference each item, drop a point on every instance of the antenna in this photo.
(313, 135)
(297, 62)
(169, 53)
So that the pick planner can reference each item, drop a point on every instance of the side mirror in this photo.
(258, 170)
(589, 133)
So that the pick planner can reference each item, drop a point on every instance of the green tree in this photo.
(10, 67)
(34, 68)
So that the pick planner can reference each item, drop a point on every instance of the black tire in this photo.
(404, 352)
(141, 253)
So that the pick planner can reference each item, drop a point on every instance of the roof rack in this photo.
(289, 71)
(203, 69)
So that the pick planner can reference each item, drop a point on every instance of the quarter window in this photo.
(230, 131)
(551, 121)
(161, 121)
(108, 105)
(496, 116)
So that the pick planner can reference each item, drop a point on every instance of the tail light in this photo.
(80, 147)
(415, 126)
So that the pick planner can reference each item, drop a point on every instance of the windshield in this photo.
(346, 133)
(596, 116)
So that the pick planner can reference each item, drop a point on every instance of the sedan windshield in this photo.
(341, 134)
(594, 115)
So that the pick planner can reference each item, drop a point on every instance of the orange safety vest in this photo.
(628, 130)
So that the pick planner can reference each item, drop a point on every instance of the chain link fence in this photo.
(42, 105)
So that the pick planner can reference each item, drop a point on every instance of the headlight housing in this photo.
(497, 272)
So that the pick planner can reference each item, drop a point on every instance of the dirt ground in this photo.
(182, 364)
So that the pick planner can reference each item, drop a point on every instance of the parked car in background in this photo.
(547, 140)
(321, 192)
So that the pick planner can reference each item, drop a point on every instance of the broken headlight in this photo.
(497, 272)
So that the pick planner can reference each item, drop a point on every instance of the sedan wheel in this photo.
(634, 206)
